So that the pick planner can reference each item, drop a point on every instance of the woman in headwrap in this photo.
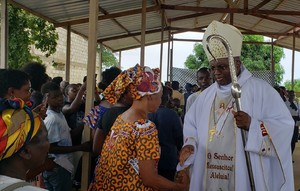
(131, 150)
(97, 112)
(23, 144)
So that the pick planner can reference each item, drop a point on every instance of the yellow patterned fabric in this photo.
(126, 144)
(17, 126)
(139, 81)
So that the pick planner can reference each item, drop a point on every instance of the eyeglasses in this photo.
(220, 67)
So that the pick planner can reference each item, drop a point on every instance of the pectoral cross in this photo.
(212, 133)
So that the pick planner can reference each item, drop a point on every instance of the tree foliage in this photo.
(256, 57)
(288, 85)
(108, 58)
(26, 30)
(198, 59)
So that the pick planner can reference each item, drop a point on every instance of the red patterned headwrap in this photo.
(139, 81)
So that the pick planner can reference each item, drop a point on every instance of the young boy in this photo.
(60, 141)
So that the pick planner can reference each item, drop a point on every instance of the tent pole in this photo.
(100, 61)
(162, 41)
(68, 54)
(120, 58)
(171, 58)
(143, 32)
(91, 65)
(293, 60)
(168, 61)
(4, 35)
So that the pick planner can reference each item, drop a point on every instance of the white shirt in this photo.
(191, 99)
(6, 181)
(59, 132)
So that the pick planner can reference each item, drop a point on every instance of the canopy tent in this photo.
(119, 22)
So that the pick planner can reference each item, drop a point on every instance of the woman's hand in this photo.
(183, 178)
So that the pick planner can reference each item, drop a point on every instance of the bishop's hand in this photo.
(185, 152)
(242, 119)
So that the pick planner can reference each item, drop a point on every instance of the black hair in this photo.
(68, 87)
(165, 98)
(188, 87)
(167, 83)
(281, 93)
(84, 79)
(203, 70)
(37, 74)
(109, 75)
(49, 87)
(57, 79)
(10, 78)
(282, 87)
(102, 86)
(175, 85)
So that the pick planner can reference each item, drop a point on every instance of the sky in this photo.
(181, 51)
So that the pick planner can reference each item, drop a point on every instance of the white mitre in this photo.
(230, 33)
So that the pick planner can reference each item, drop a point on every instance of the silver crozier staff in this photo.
(236, 94)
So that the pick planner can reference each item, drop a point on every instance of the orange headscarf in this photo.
(18, 125)
(139, 81)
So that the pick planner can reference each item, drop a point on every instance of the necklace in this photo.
(224, 108)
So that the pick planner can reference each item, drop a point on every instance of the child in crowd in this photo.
(59, 178)
(73, 110)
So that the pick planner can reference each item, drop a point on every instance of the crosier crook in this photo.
(236, 94)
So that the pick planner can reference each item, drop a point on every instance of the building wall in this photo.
(79, 55)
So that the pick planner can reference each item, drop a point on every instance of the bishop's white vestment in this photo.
(268, 139)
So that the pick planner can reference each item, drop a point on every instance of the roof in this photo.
(119, 21)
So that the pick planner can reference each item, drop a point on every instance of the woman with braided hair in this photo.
(131, 150)
(23, 144)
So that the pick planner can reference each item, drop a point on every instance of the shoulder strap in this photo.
(15, 186)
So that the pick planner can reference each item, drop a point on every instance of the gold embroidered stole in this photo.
(221, 146)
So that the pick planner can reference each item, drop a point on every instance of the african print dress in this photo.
(126, 144)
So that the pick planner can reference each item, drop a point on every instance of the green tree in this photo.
(108, 58)
(256, 57)
(198, 59)
(26, 30)
(288, 85)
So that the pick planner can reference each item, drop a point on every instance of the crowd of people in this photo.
(146, 135)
